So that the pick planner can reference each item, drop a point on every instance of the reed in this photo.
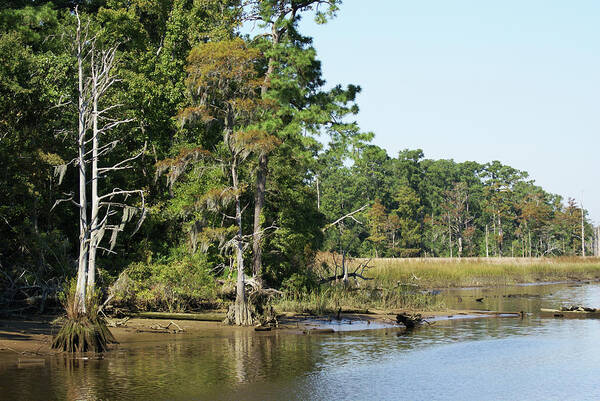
(446, 272)
(404, 283)
(329, 300)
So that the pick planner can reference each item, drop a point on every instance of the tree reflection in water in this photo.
(243, 364)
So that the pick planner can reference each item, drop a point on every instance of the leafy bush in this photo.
(174, 286)
(299, 283)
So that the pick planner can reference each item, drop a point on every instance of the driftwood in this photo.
(20, 292)
(207, 316)
(341, 276)
(117, 322)
(318, 331)
(262, 328)
(166, 328)
(410, 321)
(577, 308)
(356, 274)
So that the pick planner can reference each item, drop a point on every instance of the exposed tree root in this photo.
(83, 334)
(82, 331)
(257, 311)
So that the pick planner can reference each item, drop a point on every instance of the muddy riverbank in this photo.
(33, 335)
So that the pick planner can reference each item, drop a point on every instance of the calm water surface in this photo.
(479, 359)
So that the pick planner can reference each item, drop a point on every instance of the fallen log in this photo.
(206, 316)
(159, 327)
(318, 331)
(262, 328)
(574, 314)
(493, 313)
(341, 277)
(117, 322)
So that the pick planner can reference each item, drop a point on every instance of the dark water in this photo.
(480, 359)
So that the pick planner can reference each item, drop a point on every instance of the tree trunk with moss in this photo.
(242, 313)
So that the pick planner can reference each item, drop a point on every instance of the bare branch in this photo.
(118, 191)
(69, 199)
(121, 165)
(349, 215)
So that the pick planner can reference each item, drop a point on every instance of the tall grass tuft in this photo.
(82, 332)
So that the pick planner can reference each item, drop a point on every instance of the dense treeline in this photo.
(423, 207)
(223, 133)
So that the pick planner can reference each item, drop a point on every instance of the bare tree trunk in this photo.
(494, 231)
(449, 234)
(500, 236)
(597, 242)
(318, 195)
(93, 80)
(261, 177)
(259, 201)
(487, 249)
(83, 223)
(91, 278)
(242, 312)
(345, 267)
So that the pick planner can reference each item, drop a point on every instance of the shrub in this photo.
(174, 286)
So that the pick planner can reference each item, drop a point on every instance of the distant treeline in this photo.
(423, 207)
(222, 132)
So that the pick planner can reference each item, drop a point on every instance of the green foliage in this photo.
(298, 284)
(422, 207)
(184, 72)
(173, 286)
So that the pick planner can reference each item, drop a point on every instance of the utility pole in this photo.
(582, 228)
(597, 241)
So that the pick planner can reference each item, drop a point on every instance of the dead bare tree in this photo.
(358, 272)
(344, 249)
(95, 76)
(459, 217)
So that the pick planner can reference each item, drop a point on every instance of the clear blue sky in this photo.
(515, 81)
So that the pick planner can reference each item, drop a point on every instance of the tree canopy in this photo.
(247, 157)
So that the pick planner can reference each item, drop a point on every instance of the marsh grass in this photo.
(328, 300)
(404, 283)
(466, 272)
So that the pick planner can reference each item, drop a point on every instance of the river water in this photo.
(476, 359)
